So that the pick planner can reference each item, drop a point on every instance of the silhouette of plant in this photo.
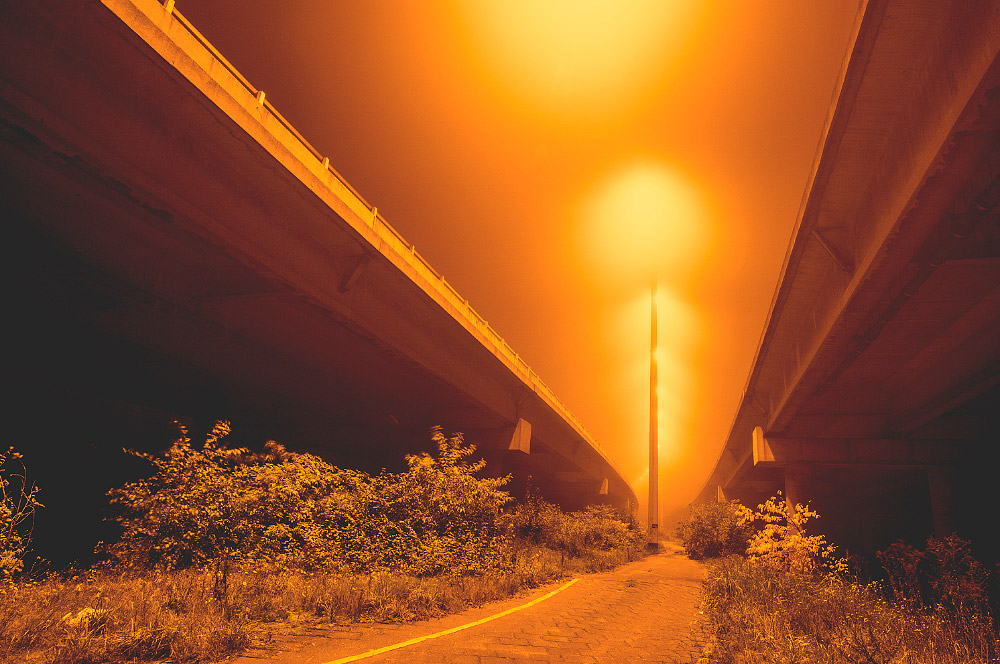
(18, 501)
(945, 575)
(788, 602)
(957, 581)
(901, 563)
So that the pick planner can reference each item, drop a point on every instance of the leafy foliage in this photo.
(716, 529)
(764, 615)
(945, 575)
(956, 579)
(901, 562)
(213, 504)
(18, 501)
(783, 543)
(221, 547)
(599, 532)
(791, 599)
(774, 535)
(438, 516)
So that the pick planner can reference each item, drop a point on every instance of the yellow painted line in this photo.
(403, 644)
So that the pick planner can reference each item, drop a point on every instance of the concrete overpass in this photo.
(874, 391)
(177, 249)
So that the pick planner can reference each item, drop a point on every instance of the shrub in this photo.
(602, 528)
(791, 600)
(18, 501)
(783, 543)
(201, 505)
(224, 506)
(222, 547)
(901, 563)
(716, 529)
(535, 521)
(957, 580)
(945, 574)
(441, 517)
(584, 534)
(765, 615)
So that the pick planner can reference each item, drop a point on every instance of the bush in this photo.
(18, 501)
(586, 533)
(600, 528)
(201, 505)
(784, 544)
(716, 529)
(945, 575)
(224, 506)
(765, 615)
(441, 517)
(901, 563)
(791, 600)
(222, 547)
(957, 580)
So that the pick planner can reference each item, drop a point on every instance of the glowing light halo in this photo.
(576, 56)
(645, 219)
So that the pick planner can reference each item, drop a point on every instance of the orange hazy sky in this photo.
(550, 156)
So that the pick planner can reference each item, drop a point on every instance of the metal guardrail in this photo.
(434, 278)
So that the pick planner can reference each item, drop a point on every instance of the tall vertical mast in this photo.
(654, 463)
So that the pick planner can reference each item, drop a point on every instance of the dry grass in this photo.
(762, 615)
(220, 547)
(188, 616)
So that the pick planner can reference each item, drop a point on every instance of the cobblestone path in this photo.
(642, 612)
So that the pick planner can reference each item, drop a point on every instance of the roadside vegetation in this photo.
(778, 594)
(221, 548)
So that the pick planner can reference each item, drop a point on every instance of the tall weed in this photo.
(182, 615)
(791, 600)
(18, 501)
(764, 615)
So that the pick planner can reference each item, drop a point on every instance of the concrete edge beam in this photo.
(780, 451)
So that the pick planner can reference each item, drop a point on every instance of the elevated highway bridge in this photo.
(874, 392)
(176, 249)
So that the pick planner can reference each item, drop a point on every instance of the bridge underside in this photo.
(876, 391)
(163, 261)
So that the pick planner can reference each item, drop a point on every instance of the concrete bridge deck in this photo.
(875, 391)
(176, 249)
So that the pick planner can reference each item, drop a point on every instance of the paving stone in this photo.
(644, 612)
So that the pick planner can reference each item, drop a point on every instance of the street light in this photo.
(654, 461)
(647, 223)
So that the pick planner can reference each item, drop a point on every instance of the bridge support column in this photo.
(797, 481)
(940, 481)
(521, 438)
